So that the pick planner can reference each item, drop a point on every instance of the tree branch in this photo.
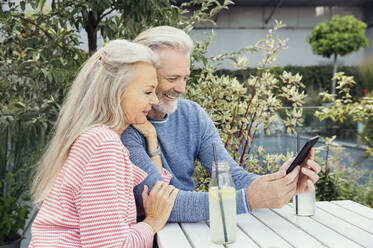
(231, 126)
(102, 16)
(43, 30)
(33, 23)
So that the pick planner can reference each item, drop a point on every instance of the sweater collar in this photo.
(159, 121)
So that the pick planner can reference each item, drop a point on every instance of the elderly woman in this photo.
(84, 182)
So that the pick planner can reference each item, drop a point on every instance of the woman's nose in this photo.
(154, 99)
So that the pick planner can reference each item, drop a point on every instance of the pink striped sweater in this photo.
(91, 203)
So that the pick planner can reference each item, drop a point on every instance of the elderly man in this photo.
(186, 133)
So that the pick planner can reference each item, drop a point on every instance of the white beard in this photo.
(166, 107)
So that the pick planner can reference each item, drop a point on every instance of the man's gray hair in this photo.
(165, 36)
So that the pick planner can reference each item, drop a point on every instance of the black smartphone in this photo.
(301, 156)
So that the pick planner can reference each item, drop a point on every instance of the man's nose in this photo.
(180, 86)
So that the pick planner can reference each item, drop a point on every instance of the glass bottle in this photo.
(304, 204)
(222, 204)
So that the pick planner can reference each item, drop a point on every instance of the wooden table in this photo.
(335, 224)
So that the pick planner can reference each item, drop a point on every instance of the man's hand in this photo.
(273, 190)
(308, 174)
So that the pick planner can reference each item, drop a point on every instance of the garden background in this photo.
(41, 53)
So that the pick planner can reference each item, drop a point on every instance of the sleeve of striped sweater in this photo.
(102, 222)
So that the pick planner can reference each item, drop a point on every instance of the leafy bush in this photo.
(327, 186)
(16, 160)
(338, 182)
(334, 186)
(338, 36)
(13, 212)
(38, 62)
(224, 94)
(241, 110)
(316, 78)
(343, 107)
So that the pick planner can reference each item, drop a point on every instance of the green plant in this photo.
(335, 186)
(38, 61)
(225, 96)
(13, 212)
(201, 177)
(15, 166)
(338, 182)
(343, 107)
(126, 18)
(111, 18)
(242, 109)
(339, 36)
(326, 186)
(315, 77)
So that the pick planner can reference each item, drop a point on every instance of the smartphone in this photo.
(302, 155)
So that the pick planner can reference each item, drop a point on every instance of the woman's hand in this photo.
(158, 204)
(147, 129)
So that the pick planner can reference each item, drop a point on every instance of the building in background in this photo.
(247, 21)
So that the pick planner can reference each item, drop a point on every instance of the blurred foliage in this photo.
(17, 156)
(316, 78)
(222, 94)
(40, 56)
(341, 106)
(114, 19)
(38, 62)
(338, 182)
(243, 109)
(340, 35)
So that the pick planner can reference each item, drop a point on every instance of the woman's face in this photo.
(139, 96)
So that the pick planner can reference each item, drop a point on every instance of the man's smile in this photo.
(171, 95)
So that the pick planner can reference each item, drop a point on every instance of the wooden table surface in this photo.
(335, 224)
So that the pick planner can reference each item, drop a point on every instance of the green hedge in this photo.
(316, 78)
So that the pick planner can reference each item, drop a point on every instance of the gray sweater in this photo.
(184, 136)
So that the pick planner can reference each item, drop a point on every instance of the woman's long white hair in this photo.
(94, 98)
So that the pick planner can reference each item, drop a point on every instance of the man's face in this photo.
(172, 76)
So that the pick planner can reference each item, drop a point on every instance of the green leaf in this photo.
(59, 76)
(22, 4)
(41, 4)
(20, 105)
(50, 76)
